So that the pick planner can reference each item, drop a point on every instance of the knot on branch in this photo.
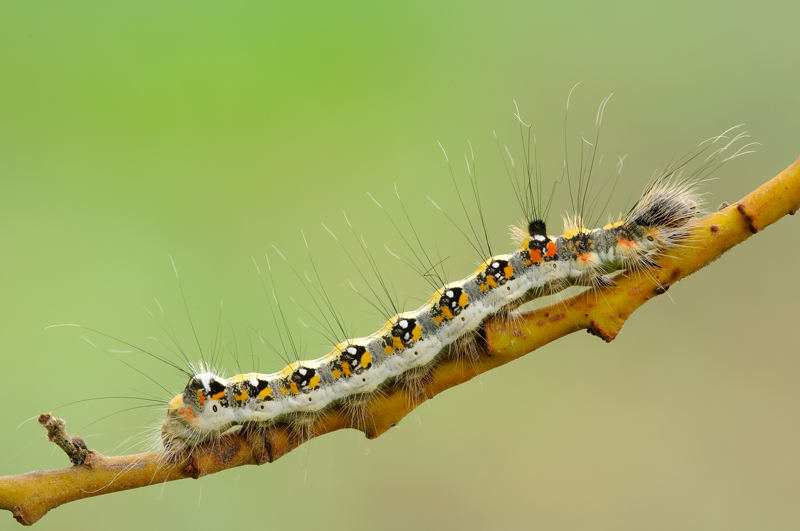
(74, 447)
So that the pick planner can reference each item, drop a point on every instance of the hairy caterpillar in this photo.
(409, 343)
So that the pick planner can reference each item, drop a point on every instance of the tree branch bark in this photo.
(30, 496)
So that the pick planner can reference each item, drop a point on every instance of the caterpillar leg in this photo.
(356, 407)
(470, 346)
(301, 424)
(415, 382)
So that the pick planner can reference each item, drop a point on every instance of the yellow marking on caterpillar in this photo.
(447, 313)
(336, 373)
(415, 334)
(265, 393)
(574, 232)
(397, 343)
(491, 281)
(438, 319)
(241, 397)
(218, 395)
(508, 271)
(388, 350)
(346, 369)
(314, 381)
(463, 300)
(294, 389)
(484, 287)
(366, 359)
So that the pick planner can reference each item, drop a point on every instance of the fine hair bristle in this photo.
(537, 226)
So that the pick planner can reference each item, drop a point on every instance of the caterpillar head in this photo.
(199, 413)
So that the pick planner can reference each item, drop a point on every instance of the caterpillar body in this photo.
(449, 323)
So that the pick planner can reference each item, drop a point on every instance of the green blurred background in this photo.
(210, 131)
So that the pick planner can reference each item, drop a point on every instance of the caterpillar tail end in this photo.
(664, 217)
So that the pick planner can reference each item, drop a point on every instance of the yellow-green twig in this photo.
(30, 496)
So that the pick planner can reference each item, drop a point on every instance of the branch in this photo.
(29, 496)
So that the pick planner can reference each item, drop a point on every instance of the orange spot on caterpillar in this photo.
(265, 393)
(536, 255)
(463, 300)
(447, 313)
(551, 249)
(201, 397)
(218, 395)
(415, 334)
(366, 359)
(491, 281)
(294, 389)
(314, 382)
(336, 373)
(241, 397)
(508, 271)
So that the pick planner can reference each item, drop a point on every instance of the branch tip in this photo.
(74, 447)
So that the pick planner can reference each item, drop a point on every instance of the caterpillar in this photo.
(410, 343)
